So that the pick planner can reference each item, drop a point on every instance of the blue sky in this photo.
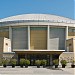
(57, 7)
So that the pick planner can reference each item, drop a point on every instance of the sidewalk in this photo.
(33, 70)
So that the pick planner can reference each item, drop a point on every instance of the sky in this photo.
(63, 8)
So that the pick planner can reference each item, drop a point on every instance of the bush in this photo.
(13, 62)
(27, 62)
(43, 62)
(56, 62)
(38, 62)
(22, 61)
(73, 62)
(5, 61)
(63, 62)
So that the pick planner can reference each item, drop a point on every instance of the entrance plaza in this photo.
(32, 70)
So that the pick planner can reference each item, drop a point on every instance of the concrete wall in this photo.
(68, 56)
(8, 55)
(7, 45)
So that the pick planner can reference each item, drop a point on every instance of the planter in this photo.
(72, 66)
(44, 66)
(63, 63)
(56, 66)
(63, 66)
(4, 65)
(13, 66)
(26, 63)
(38, 63)
(56, 63)
(13, 62)
(38, 66)
(43, 63)
(26, 66)
(5, 62)
(22, 60)
(21, 66)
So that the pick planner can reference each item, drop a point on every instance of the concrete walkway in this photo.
(33, 70)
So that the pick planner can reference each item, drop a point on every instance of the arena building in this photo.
(36, 36)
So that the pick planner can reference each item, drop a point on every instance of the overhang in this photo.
(39, 51)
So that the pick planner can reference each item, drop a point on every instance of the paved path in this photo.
(32, 70)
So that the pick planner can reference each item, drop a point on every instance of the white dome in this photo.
(49, 17)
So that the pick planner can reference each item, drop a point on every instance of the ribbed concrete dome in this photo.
(36, 17)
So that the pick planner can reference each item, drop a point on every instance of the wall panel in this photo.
(20, 38)
(38, 38)
(4, 32)
(57, 38)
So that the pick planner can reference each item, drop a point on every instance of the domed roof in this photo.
(36, 17)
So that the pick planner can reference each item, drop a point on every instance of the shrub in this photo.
(43, 62)
(73, 62)
(13, 62)
(63, 62)
(22, 61)
(27, 62)
(56, 62)
(38, 62)
(5, 61)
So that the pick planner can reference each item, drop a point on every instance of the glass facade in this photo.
(20, 38)
(57, 38)
(4, 32)
(38, 38)
(71, 33)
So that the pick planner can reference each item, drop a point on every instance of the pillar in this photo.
(48, 38)
(28, 37)
(10, 36)
(66, 32)
(66, 37)
(51, 61)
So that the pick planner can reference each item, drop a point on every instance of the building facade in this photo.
(37, 36)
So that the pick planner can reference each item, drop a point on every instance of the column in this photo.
(66, 32)
(28, 37)
(74, 48)
(51, 61)
(48, 38)
(66, 37)
(10, 36)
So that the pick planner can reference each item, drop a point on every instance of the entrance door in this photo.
(55, 56)
(34, 57)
